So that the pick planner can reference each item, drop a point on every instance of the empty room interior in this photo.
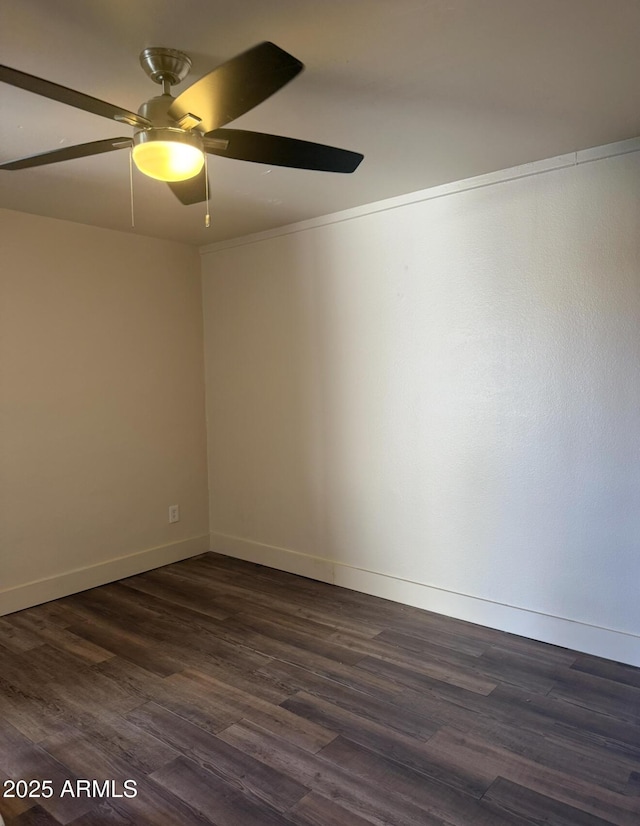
(320, 413)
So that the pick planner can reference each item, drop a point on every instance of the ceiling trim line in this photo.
(455, 187)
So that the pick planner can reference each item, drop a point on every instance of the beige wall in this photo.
(102, 406)
(438, 401)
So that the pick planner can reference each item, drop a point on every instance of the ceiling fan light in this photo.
(168, 154)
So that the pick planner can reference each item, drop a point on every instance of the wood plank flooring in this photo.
(236, 695)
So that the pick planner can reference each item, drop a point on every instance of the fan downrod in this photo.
(165, 66)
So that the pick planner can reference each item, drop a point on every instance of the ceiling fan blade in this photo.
(237, 86)
(69, 96)
(68, 153)
(279, 151)
(191, 191)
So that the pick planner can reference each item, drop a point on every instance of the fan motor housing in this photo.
(156, 110)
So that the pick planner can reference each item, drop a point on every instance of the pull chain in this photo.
(133, 222)
(207, 217)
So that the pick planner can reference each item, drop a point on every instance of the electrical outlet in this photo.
(174, 513)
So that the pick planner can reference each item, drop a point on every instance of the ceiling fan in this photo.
(172, 134)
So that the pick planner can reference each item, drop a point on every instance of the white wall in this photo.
(102, 422)
(438, 401)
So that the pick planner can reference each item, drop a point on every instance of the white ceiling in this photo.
(430, 91)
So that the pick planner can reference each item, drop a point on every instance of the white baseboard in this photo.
(562, 631)
(44, 590)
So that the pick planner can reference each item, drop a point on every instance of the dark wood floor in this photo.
(241, 696)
